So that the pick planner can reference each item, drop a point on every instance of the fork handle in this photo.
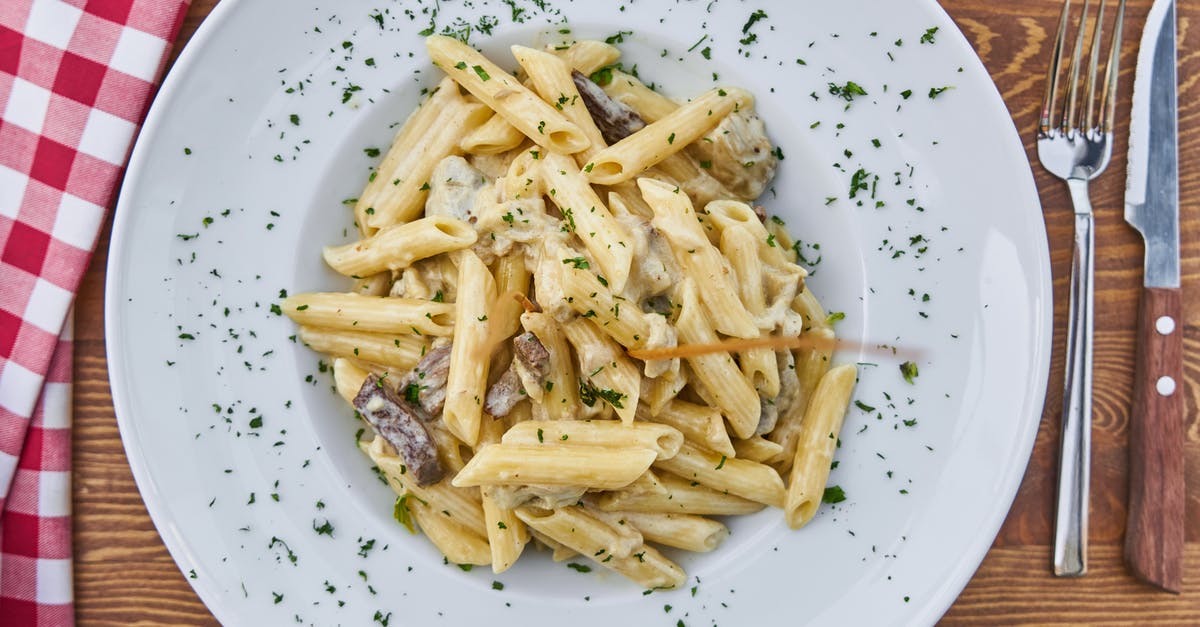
(1154, 532)
(1074, 469)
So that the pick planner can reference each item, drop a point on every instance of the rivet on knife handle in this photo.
(1154, 533)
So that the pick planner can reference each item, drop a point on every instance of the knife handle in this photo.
(1154, 533)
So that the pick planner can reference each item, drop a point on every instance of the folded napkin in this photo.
(76, 77)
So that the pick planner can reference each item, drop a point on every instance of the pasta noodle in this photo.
(592, 347)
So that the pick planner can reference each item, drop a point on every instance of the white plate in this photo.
(924, 500)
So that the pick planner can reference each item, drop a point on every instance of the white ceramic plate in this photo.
(241, 452)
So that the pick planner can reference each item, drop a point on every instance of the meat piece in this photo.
(505, 393)
(397, 422)
(738, 154)
(789, 392)
(532, 357)
(425, 386)
(524, 378)
(615, 120)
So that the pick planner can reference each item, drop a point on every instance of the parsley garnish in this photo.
(833, 494)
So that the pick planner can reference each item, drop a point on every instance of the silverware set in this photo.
(1074, 142)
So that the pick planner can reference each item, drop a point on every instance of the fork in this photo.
(1075, 144)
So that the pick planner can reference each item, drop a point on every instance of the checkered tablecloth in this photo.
(76, 77)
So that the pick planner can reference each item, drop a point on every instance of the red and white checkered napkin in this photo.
(76, 77)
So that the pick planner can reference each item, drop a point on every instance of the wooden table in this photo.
(123, 574)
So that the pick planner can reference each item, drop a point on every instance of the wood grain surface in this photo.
(123, 574)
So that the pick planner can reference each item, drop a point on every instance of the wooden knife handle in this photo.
(1154, 533)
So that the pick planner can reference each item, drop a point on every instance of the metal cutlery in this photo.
(1154, 534)
(1074, 142)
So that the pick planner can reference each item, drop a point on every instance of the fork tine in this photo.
(1050, 99)
(1069, 119)
(1089, 120)
(1108, 99)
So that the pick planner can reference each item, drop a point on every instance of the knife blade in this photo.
(1154, 533)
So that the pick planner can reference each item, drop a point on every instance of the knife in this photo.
(1154, 533)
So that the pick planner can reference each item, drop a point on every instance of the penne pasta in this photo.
(700, 260)
(492, 137)
(660, 139)
(662, 439)
(505, 95)
(817, 442)
(466, 382)
(717, 372)
(398, 351)
(699, 424)
(731, 475)
(398, 246)
(605, 372)
(681, 531)
(682, 497)
(607, 240)
(597, 376)
(370, 314)
(555, 463)
(573, 527)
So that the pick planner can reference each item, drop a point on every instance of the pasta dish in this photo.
(570, 326)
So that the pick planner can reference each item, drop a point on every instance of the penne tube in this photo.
(493, 137)
(573, 527)
(700, 424)
(658, 140)
(398, 351)
(374, 314)
(662, 439)
(456, 543)
(606, 373)
(461, 505)
(375, 285)
(811, 366)
(507, 535)
(759, 366)
(397, 194)
(506, 96)
(721, 215)
(699, 259)
(555, 463)
(817, 442)
(405, 147)
(512, 277)
(588, 55)
(398, 246)
(659, 391)
(608, 241)
(723, 382)
(618, 318)
(551, 79)
(561, 398)
(559, 552)
(650, 105)
(466, 383)
(731, 475)
(648, 483)
(683, 497)
(757, 449)
(681, 531)
(347, 378)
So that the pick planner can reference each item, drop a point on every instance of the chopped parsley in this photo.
(833, 494)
